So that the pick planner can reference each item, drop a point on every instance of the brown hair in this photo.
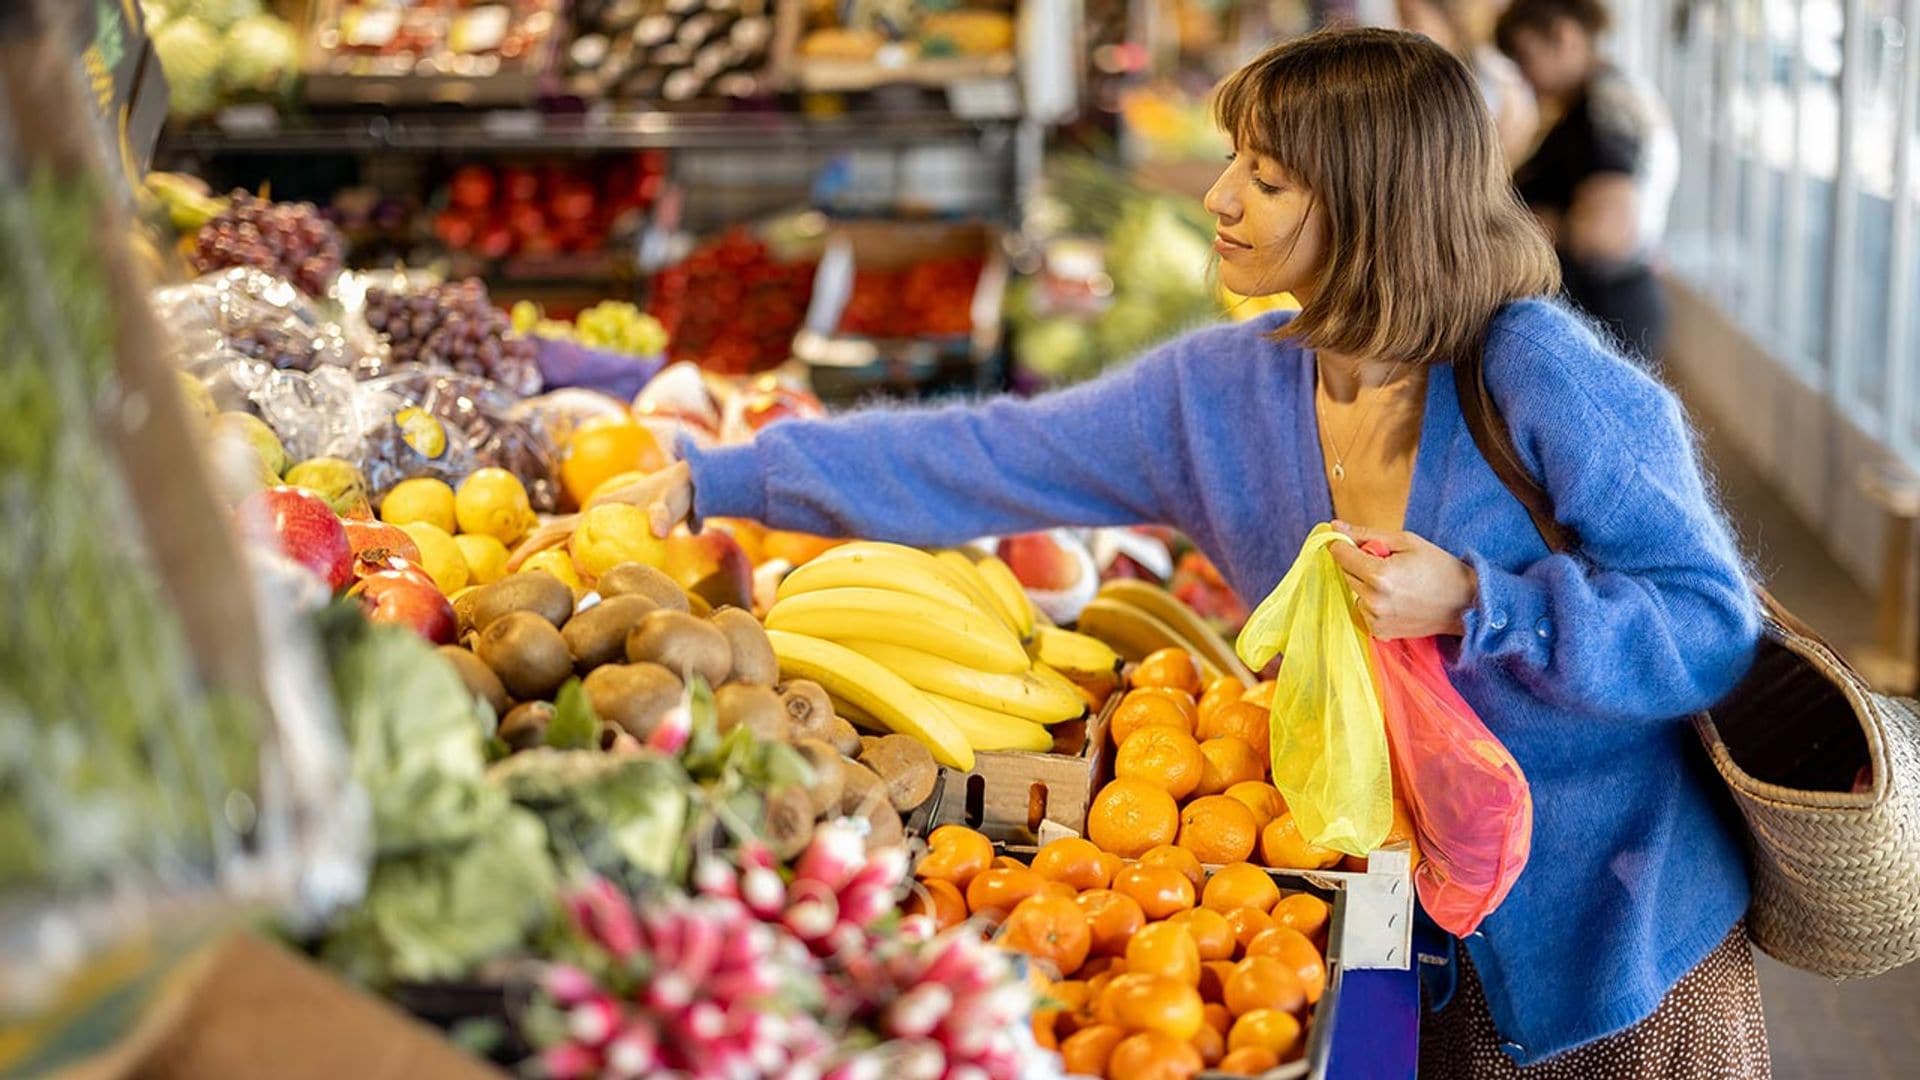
(1426, 238)
(1540, 16)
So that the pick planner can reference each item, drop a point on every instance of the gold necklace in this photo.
(1339, 455)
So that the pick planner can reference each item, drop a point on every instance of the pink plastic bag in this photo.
(1472, 810)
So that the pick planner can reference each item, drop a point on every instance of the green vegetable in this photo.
(259, 55)
(219, 14)
(575, 725)
(621, 816)
(189, 52)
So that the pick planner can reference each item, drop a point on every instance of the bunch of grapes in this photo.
(290, 240)
(454, 325)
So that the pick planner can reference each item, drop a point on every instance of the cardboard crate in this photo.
(1018, 797)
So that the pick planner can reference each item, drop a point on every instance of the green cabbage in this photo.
(259, 54)
(189, 52)
(218, 14)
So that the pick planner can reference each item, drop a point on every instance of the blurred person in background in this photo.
(1602, 174)
(1465, 29)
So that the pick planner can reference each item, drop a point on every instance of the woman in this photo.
(1367, 181)
(1465, 29)
(1603, 173)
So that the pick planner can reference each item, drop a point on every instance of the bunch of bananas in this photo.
(1138, 618)
(943, 646)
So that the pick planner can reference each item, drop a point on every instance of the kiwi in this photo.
(753, 659)
(463, 611)
(824, 760)
(844, 738)
(756, 708)
(480, 679)
(529, 655)
(525, 725)
(634, 696)
(809, 709)
(639, 579)
(884, 829)
(861, 789)
(789, 822)
(534, 590)
(722, 589)
(907, 767)
(598, 635)
(684, 644)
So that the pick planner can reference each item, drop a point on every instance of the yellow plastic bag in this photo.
(1328, 737)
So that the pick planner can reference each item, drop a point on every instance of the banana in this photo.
(898, 618)
(1168, 608)
(1134, 633)
(966, 576)
(878, 566)
(874, 691)
(1067, 651)
(1026, 696)
(987, 729)
(1006, 589)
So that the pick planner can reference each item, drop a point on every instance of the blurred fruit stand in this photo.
(512, 782)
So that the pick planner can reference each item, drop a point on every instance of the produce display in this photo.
(219, 51)
(730, 306)
(568, 206)
(442, 36)
(674, 51)
(900, 37)
(613, 325)
(928, 299)
(289, 240)
(454, 326)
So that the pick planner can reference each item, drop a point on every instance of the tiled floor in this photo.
(1820, 1030)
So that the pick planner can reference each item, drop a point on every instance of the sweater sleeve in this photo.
(1087, 455)
(1653, 617)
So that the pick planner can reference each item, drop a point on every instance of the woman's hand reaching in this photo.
(1419, 590)
(666, 495)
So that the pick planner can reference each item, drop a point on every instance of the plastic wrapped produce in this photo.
(291, 240)
(446, 424)
(554, 416)
(255, 314)
(454, 325)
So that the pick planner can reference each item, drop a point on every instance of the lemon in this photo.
(554, 561)
(493, 502)
(420, 499)
(616, 482)
(439, 556)
(486, 557)
(612, 534)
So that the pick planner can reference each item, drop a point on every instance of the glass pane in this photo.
(1690, 97)
(1819, 150)
(1874, 139)
(1776, 150)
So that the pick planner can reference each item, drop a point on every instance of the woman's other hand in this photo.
(1418, 590)
(666, 495)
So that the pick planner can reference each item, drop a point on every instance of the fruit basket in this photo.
(1018, 797)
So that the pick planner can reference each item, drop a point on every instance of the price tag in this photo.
(250, 118)
(512, 123)
(984, 99)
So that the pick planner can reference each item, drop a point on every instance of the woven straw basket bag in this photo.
(1825, 771)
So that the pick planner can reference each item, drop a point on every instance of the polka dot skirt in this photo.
(1708, 1026)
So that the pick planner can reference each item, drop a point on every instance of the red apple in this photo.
(712, 564)
(1039, 562)
(302, 526)
(403, 598)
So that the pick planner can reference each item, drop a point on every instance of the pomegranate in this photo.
(404, 598)
(303, 527)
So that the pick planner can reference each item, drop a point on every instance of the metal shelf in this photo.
(535, 132)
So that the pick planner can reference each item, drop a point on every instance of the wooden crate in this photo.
(1010, 794)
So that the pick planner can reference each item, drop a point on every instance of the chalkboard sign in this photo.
(124, 81)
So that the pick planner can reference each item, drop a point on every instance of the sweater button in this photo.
(1512, 1049)
(1543, 629)
(1498, 620)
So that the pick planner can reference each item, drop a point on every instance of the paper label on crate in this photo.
(984, 99)
(1051, 830)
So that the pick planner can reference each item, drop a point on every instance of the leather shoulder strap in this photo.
(1495, 442)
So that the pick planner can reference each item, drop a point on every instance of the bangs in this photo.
(1259, 109)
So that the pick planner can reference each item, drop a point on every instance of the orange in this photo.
(1210, 1043)
(1085, 1052)
(940, 900)
(1106, 1006)
(1130, 816)
(1097, 966)
(1263, 982)
(1096, 988)
(1111, 918)
(1260, 797)
(1170, 668)
(1059, 889)
(1281, 845)
(1229, 762)
(1248, 1061)
(1213, 982)
(1217, 694)
(1218, 829)
(955, 853)
(1110, 864)
(1402, 830)
(1001, 888)
(1304, 912)
(1050, 929)
(1292, 948)
(1248, 923)
(1163, 756)
(1152, 1055)
(1072, 997)
(1210, 932)
(1265, 1029)
(1218, 1016)
(1240, 885)
(1007, 862)
(1159, 890)
(1148, 706)
(599, 452)
(1177, 858)
(1241, 720)
(1073, 861)
(1155, 1003)
(1166, 950)
(1261, 694)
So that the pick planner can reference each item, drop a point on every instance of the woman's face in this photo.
(1556, 61)
(1269, 230)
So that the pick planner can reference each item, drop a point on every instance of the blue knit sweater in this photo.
(1584, 666)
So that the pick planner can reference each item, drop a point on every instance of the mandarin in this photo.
(1241, 720)
(1211, 1044)
(1213, 982)
(1160, 891)
(940, 900)
(1228, 762)
(1218, 693)
(1001, 888)
(1178, 858)
(1169, 668)
(1218, 1016)
(1263, 982)
(1238, 885)
(1111, 918)
(1166, 950)
(1156, 1003)
(1048, 928)
(1291, 947)
(955, 853)
(1248, 923)
(1262, 798)
(1218, 829)
(1148, 706)
(1282, 846)
(1130, 816)
(1085, 1052)
(1266, 1029)
(1304, 912)
(1151, 1055)
(1163, 756)
(1247, 1061)
(1210, 932)
(1261, 694)
(1073, 861)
